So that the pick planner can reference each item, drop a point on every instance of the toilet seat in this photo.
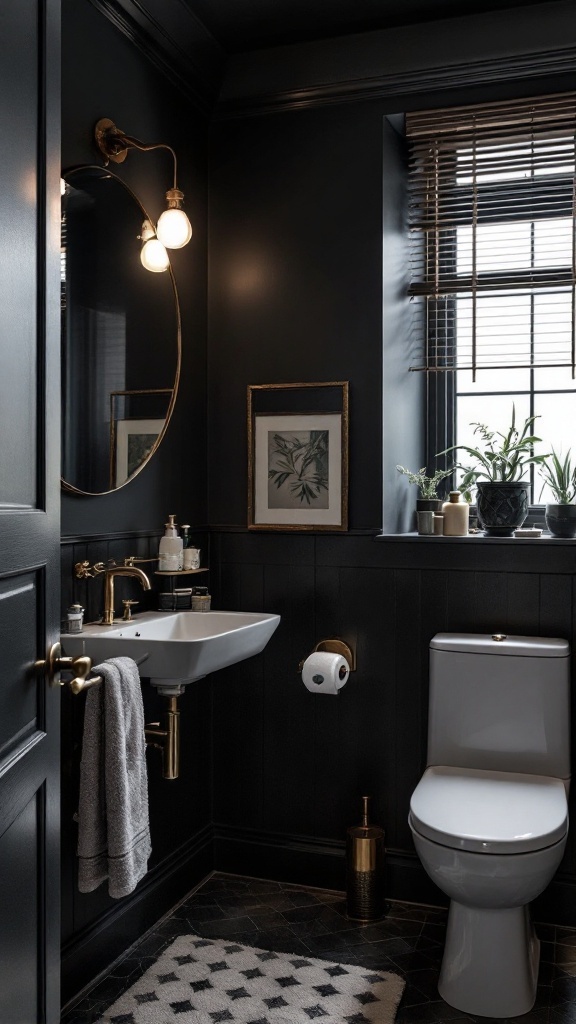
(489, 812)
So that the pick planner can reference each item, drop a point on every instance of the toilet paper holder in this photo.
(334, 647)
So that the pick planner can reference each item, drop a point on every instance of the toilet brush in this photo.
(365, 865)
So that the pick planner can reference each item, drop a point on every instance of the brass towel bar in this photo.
(166, 739)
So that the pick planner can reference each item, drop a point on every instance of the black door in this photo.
(29, 509)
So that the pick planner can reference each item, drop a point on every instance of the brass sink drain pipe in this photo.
(167, 740)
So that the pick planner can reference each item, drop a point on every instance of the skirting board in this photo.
(304, 860)
(299, 860)
(92, 950)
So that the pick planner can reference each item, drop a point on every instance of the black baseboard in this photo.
(281, 857)
(304, 860)
(91, 951)
(301, 860)
(557, 904)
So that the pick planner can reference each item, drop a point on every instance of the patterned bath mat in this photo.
(207, 981)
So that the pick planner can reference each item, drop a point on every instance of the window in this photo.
(493, 244)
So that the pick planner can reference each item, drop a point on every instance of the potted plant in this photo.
(499, 462)
(428, 500)
(560, 476)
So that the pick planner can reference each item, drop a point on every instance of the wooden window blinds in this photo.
(492, 220)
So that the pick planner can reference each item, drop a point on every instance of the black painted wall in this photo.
(103, 75)
(306, 279)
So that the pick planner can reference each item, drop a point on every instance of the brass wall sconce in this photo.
(173, 230)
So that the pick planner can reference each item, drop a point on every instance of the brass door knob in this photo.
(55, 663)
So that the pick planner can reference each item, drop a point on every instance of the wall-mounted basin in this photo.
(179, 646)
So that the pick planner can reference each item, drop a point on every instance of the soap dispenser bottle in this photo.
(455, 512)
(170, 549)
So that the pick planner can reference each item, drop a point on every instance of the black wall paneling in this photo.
(288, 782)
(106, 72)
(307, 273)
(95, 929)
(302, 281)
(99, 942)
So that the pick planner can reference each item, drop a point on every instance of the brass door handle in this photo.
(81, 666)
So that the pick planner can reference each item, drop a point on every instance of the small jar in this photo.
(75, 618)
(200, 599)
(191, 558)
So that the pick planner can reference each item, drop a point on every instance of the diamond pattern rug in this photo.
(207, 981)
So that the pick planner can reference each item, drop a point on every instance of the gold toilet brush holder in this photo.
(365, 867)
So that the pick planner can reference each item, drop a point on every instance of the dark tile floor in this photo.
(289, 918)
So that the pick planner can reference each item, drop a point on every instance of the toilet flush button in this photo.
(499, 637)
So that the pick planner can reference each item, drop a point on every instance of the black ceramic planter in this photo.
(502, 507)
(561, 520)
(428, 504)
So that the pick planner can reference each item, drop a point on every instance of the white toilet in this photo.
(489, 816)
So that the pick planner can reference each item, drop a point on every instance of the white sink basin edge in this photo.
(180, 647)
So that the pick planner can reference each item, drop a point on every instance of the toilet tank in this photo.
(501, 704)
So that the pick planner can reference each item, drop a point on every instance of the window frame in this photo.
(528, 199)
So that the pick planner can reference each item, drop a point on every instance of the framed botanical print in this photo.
(298, 456)
(135, 440)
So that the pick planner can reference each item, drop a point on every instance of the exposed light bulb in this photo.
(154, 257)
(174, 229)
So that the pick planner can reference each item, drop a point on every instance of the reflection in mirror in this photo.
(120, 336)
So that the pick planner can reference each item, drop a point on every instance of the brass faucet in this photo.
(110, 574)
(83, 571)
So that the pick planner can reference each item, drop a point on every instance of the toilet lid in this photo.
(489, 812)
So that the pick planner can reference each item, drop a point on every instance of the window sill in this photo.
(477, 538)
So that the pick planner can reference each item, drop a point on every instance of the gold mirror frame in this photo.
(65, 484)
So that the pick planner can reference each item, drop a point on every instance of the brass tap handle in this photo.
(134, 560)
(84, 571)
(127, 602)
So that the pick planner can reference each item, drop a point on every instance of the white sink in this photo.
(177, 647)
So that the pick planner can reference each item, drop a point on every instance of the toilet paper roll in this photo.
(323, 672)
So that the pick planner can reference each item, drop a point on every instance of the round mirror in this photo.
(120, 336)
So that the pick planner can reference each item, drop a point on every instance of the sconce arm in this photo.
(114, 144)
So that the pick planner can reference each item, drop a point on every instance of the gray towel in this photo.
(114, 831)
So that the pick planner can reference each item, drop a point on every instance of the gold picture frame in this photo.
(135, 437)
(298, 456)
